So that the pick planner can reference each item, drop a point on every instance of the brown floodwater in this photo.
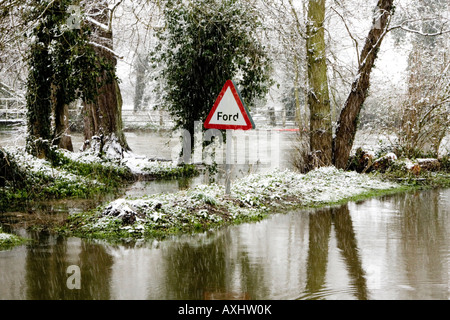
(394, 247)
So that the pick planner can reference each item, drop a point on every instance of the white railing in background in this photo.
(162, 119)
(12, 110)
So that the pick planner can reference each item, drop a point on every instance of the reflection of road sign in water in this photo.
(229, 111)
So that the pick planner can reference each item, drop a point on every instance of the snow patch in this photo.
(6, 237)
(251, 196)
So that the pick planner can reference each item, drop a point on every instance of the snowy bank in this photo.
(8, 241)
(79, 175)
(206, 206)
(140, 167)
(31, 177)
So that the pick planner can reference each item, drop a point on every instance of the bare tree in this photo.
(425, 109)
(348, 120)
(12, 47)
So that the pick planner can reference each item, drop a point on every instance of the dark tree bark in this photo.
(103, 116)
(348, 120)
(38, 99)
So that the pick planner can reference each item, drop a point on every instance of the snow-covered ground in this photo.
(8, 240)
(5, 237)
(207, 205)
(138, 165)
(36, 168)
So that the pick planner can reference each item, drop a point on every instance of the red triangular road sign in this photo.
(229, 111)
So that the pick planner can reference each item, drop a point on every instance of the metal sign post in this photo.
(228, 167)
(229, 113)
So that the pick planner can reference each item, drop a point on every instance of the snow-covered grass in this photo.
(323, 185)
(138, 166)
(35, 167)
(79, 175)
(146, 167)
(206, 206)
(39, 178)
(9, 240)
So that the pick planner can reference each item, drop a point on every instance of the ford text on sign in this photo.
(229, 111)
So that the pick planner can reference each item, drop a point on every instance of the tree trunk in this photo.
(298, 111)
(141, 69)
(62, 132)
(321, 136)
(348, 120)
(103, 116)
(39, 106)
(61, 136)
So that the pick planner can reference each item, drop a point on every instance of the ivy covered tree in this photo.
(38, 96)
(203, 44)
(63, 67)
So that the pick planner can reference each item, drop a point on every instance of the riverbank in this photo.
(199, 209)
(8, 240)
(255, 196)
(206, 207)
(25, 179)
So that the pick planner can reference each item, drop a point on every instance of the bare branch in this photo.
(297, 20)
(102, 26)
(405, 28)
(45, 10)
(350, 34)
(111, 15)
(106, 49)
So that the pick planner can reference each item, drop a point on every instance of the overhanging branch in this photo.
(425, 34)
(106, 49)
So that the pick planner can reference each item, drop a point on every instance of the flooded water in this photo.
(396, 247)
(166, 144)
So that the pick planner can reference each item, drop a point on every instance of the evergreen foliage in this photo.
(203, 44)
